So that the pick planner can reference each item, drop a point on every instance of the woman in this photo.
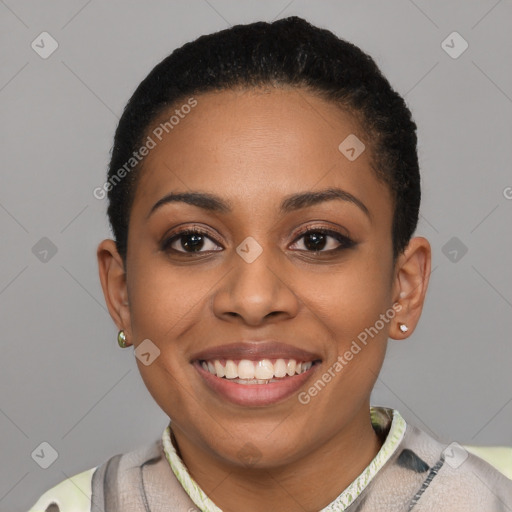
(263, 193)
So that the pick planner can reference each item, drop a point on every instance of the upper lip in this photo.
(255, 350)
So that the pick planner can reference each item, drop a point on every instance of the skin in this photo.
(254, 148)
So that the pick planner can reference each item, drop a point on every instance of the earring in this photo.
(121, 339)
(403, 327)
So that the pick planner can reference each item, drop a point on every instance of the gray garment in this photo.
(139, 481)
(421, 475)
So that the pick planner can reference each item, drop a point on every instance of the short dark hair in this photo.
(287, 52)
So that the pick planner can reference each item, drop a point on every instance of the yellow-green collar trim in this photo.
(380, 417)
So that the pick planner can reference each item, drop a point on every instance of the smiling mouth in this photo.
(262, 371)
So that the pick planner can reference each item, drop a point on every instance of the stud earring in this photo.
(403, 327)
(121, 339)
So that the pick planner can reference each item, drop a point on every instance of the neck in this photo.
(309, 483)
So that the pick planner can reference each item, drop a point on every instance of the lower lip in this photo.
(255, 394)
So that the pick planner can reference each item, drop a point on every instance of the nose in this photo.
(256, 291)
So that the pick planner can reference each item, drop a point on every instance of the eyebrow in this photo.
(213, 203)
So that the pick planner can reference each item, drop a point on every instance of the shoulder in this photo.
(498, 456)
(457, 478)
(75, 494)
(72, 494)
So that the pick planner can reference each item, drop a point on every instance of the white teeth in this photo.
(290, 367)
(254, 381)
(280, 368)
(231, 370)
(264, 370)
(219, 369)
(246, 369)
(306, 366)
(256, 372)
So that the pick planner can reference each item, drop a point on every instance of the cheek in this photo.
(162, 301)
(358, 314)
(162, 298)
(353, 297)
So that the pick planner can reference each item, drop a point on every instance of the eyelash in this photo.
(345, 241)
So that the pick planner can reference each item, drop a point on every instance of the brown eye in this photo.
(190, 241)
(323, 240)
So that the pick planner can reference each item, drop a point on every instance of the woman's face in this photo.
(251, 285)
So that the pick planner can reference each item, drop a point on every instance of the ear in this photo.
(412, 273)
(113, 282)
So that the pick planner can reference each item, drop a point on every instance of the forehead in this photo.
(258, 145)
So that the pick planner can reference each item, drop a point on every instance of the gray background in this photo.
(63, 380)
